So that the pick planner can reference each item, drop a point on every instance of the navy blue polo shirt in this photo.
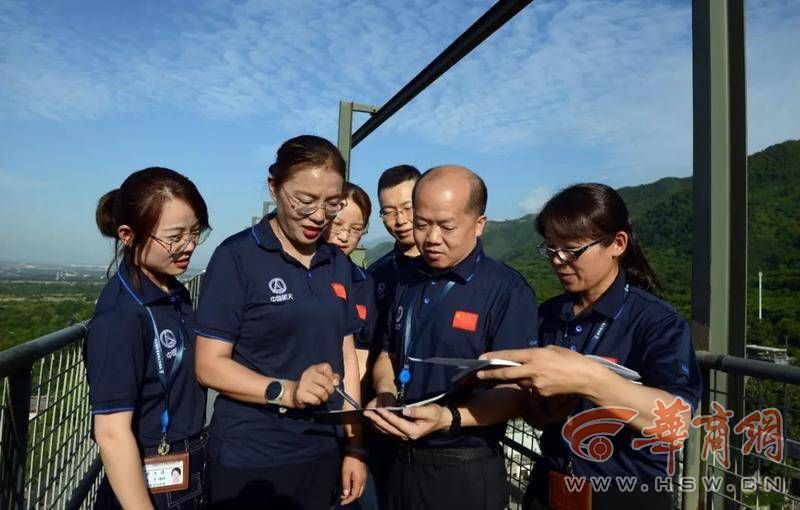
(281, 318)
(648, 336)
(366, 308)
(120, 362)
(489, 307)
(387, 272)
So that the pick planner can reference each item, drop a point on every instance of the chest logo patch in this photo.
(362, 312)
(278, 288)
(381, 290)
(339, 290)
(167, 338)
(467, 321)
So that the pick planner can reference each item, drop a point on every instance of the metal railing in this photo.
(47, 458)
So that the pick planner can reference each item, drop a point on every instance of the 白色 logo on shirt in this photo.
(167, 338)
(278, 288)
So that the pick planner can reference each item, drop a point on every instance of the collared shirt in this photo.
(120, 363)
(644, 334)
(281, 318)
(387, 272)
(489, 307)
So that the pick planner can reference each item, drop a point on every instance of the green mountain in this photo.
(662, 215)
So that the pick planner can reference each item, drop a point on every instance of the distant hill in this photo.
(662, 215)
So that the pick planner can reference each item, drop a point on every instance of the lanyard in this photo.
(591, 346)
(411, 333)
(166, 380)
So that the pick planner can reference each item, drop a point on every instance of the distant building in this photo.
(777, 355)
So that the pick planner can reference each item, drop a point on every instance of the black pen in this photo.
(350, 400)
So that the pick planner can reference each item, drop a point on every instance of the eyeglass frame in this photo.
(407, 212)
(200, 237)
(304, 212)
(334, 231)
(548, 253)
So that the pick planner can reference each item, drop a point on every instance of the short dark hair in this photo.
(302, 152)
(478, 194)
(399, 174)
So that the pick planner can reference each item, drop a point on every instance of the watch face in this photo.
(274, 390)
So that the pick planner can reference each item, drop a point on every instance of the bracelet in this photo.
(455, 424)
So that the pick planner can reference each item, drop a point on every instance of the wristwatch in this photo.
(274, 392)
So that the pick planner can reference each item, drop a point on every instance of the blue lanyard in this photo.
(166, 380)
(590, 347)
(411, 334)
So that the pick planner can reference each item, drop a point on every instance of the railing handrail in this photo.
(25, 355)
(748, 367)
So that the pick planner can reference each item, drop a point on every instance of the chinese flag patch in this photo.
(465, 320)
(339, 290)
(362, 312)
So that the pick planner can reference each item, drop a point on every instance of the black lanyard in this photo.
(591, 346)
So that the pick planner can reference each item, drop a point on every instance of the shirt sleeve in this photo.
(115, 364)
(222, 297)
(353, 325)
(367, 313)
(517, 322)
(668, 360)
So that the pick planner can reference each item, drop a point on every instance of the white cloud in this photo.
(609, 75)
(535, 199)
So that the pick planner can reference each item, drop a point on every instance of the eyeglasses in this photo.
(354, 231)
(390, 214)
(566, 254)
(178, 243)
(305, 207)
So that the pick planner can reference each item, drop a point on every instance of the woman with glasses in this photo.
(345, 232)
(608, 310)
(275, 331)
(147, 406)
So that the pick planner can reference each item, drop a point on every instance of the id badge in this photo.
(568, 497)
(167, 473)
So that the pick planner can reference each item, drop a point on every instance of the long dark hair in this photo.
(591, 211)
(138, 204)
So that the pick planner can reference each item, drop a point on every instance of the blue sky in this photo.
(565, 92)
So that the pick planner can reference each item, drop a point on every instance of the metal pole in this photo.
(12, 466)
(760, 275)
(719, 258)
(345, 132)
(485, 26)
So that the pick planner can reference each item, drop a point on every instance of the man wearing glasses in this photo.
(395, 190)
(458, 304)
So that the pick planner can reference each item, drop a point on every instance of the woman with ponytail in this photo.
(608, 310)
(148, 409)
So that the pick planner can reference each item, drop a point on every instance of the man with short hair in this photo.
(395, 192)
(395, 188)
(459, 304)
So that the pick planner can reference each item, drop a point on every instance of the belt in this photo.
(182, 445)
(407, 454)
